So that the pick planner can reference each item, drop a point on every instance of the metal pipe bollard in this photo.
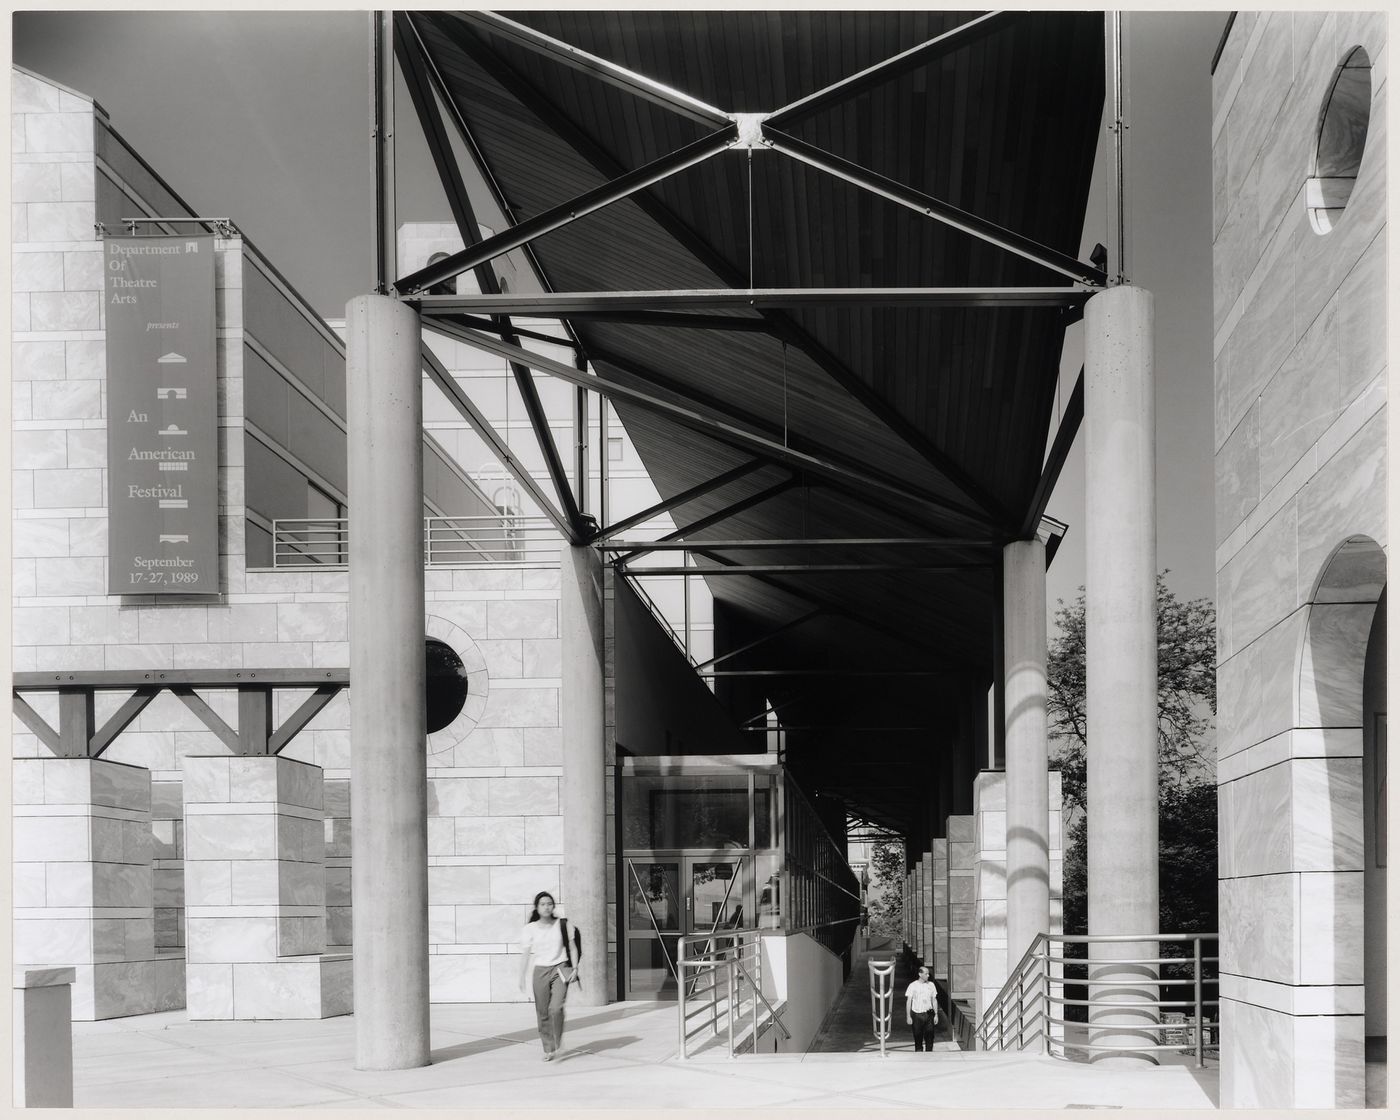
(881, 999)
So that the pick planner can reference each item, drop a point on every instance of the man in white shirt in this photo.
(921, 1009)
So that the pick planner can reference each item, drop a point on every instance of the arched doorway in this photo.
(1342, 693)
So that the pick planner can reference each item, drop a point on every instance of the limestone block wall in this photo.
(962, 908)
(939, 890)
(1300, 468)
(989, 843)
(494, 774)
(926, 908)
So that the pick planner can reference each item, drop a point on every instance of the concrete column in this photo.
(583, 789)
(1027, 781)
(1121, 651)
(388, 787)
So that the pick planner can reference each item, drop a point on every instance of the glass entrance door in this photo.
(671, 896)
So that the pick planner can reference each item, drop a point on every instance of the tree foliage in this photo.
(887, 889)
(1185, 692)
(1186, 827)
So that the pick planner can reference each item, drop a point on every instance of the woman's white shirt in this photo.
(545, 943)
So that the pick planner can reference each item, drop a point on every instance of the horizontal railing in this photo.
(1031, 1005)
(485, 540)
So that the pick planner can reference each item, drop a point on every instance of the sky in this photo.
(263, 117)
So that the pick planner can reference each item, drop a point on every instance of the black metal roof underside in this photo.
(955, 405)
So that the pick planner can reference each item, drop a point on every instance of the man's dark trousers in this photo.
(924, 1024)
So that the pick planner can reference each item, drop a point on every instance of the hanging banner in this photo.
(162, 416)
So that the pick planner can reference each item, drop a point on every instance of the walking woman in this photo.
(547, 941)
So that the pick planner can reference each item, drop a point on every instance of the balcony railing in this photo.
(480, 541)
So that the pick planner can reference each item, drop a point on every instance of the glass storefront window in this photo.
(654, 894)
(709, 812)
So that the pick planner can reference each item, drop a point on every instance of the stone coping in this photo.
(43, 977)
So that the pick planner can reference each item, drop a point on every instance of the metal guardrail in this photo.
(484, 540)
(1025, 1006)
(717, 975)
(882, 1000)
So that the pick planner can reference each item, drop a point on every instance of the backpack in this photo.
(564, 927)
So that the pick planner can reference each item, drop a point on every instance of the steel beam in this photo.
(926, 52)
(124, 679)
(121, 719)
(564, 304)
(75, 721)
(614, 545)
(254, 719)
(783, 629)
(301, 717)
(411, 62)
(703, 523)
(539, 422)
(463, 404)
(382, 130)
(557, 217)
(649, 89)
(782, 324)
(719, 429)
(682, 320)
(935, 208)
(210, 718)
(835, 672)
(36, 723)
(1055, 461)
(743, 470)
(796, 569)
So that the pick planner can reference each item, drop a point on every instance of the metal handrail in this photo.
(725, 969)
(470, 541)
(1012, 1015)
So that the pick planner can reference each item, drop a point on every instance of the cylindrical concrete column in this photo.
(1027, 780)
(388, 735)
(584, 887)
(1121, 653)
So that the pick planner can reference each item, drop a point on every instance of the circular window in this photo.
(1341, 140)
(446, 684)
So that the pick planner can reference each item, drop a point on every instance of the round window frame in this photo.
(1339, 145)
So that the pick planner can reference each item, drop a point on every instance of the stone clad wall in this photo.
(1300, 391)
(494, 774)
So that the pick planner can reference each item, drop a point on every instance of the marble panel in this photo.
(85, 575)
(65, 839)
(1331, 929)
(518, 883)
(1257, 102)
(542, 657)
(458, 797)
(1329, 1062)
(961, 889)
(991, 879)
(1330, 676)
(224, 836)
(87, 536)
(521, 707)
(461, 885)
(962, 949)
(61, 221)
(57, 941)
(301, 839)
(60, 132)
(82, 271)
(41, 537)
(481, 836)
(523, 796)
(208, 990)
(68, 884)
(1260, 823)
(68, 489)
(62, 311)
(312, 622)
(79, 181)
(85, 360)
(37, 272)
(488, 925)
(173, 624)
(300, 935)
(1258, 1075)
(253, 779)
(243, 622)
(208, 882)
(505, 978)
(442, 836)
(121, 885)
(1346, 498)
(337, 886)
(1286, 155)
(991, 919)
(36, 625)
(992, 833)
(542, 746)
(337, 987)
(442, 925)
(502, 656)
(226, 940)
(1300, 402)
(37, 361)
(544, 835)
(491, 746)
(524, 618)
(1236, 254)
(169, 984)
(206, 780)
(1258, 927)
(458, 978)
(1327, 814)
(43, 450)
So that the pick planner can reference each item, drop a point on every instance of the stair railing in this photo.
(1032, 1003)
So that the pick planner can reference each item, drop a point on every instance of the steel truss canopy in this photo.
(822, 264)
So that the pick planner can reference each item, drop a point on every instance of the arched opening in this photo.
(1343, 123)
(1342, 694)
